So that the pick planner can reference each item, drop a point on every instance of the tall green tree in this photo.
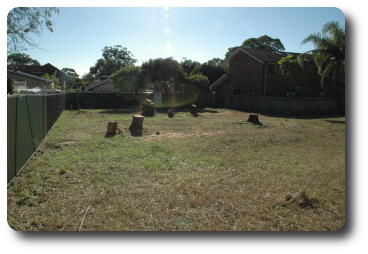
(199, 82)
(72, 77)
(189, 65)
(231, 50)
(328, 52)
(113, 58)
(87, 78)
(164, 73)
(263, 42)
(22, 22)
(212, 69)
(20, 59)
(130, 78)
(55, 80)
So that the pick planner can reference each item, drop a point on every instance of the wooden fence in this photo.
(294, 106)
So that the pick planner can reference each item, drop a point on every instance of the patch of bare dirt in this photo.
(54, 145)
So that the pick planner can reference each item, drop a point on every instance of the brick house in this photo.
(256, 72)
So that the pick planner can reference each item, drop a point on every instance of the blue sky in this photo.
(196, 33)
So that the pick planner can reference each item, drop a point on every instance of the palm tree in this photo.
(328, 53)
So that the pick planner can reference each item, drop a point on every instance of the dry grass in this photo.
(214, 172)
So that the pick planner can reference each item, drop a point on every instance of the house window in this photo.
(274, 69)
(19, 84)
(252, 91)
(236, 91)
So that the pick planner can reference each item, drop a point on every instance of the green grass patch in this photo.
(213, 172)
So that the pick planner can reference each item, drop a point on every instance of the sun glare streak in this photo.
(167, 31)
(168, 48)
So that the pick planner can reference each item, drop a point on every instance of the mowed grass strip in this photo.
(214, 172)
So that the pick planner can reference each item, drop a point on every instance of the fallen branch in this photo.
(83, 218)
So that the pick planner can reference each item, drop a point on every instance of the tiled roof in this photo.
(30, 76)
(264, 56)
(37, 70)
(268, 56)
(101, 85)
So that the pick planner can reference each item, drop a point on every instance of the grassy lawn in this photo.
(214, 172)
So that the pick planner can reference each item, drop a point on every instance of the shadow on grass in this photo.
(322, 116)
(336, 121)
(207, 111)
(305, 117)
(120, 111)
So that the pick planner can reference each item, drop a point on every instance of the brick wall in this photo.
(244, 73)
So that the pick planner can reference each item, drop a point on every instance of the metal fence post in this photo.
(15, 136)
(30, 124)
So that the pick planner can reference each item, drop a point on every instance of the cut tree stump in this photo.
(148, 108)
(136, 128)
(254, 119)
(194, 110)
(111, 129)
(171, 112)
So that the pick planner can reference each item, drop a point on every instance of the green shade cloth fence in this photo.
(29, 118)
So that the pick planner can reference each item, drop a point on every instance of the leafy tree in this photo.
(212, 69)
(24, 21)
(215, 61)
(199, 82)
(113, 58)
(88, 77)
(328, 52)
(263, 42)
(231, 50)
(289, 65)
(130, 78)
(80, 85)
(54, 79)
(71, 75)
(164, 73)
(20, 59)
(118, 54)
(189, 65)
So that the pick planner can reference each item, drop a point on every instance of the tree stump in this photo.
(148, 108)
(136, 128)
(194, 110)
(254, 119)
(111, 129)
(171, 112)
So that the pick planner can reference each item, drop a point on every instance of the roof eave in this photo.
(241, 50)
